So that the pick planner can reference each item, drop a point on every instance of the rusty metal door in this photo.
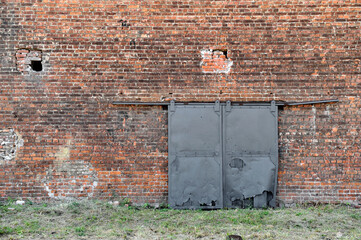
(222, 155)
(195, 163)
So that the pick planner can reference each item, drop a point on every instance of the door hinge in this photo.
(273, 107)
(172, 106)
(217, 106)
(228, 106)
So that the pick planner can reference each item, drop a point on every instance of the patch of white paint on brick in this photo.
(314, 112)
(10, 142)
(313, 125)
(214, 61)
(327, 111)
(50, 193)
(70, 179)
(206, 54)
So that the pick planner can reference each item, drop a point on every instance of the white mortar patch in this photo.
(208, 57)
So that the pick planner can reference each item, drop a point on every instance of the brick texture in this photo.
(76, 144)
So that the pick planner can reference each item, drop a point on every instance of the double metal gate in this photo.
(222, 155)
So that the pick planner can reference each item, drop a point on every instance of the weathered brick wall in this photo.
(64, 62)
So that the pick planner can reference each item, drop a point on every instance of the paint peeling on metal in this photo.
(195, 186)
(252, 182)
(256, 176)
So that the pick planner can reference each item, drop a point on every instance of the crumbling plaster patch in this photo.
(215, 61)
(10, 142)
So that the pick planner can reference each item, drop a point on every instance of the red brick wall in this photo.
(69, 141)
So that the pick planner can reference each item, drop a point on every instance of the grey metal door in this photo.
(195, 163)
(222, 155)
(250, 158)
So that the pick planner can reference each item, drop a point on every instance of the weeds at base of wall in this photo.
(101, 220)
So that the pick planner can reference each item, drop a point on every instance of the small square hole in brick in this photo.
(36, 66)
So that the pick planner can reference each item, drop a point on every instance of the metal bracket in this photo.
(228, 106)
(217, 106)
(172, 106)
(273, 107)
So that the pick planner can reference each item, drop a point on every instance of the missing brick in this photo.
(28, 60)
(223, 51)
(132, 44)
(36, 66)
(124, 23)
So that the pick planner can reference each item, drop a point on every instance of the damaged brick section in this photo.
(79, 175)
(29, 60)
(215, 61)
(10, 141)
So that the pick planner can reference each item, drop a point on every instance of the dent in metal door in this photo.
(251, 156)
(195, 166)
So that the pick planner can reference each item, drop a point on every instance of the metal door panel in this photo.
(195, 166)
(253, 177)
(250, 130)
(250, 144)
(196, 182)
